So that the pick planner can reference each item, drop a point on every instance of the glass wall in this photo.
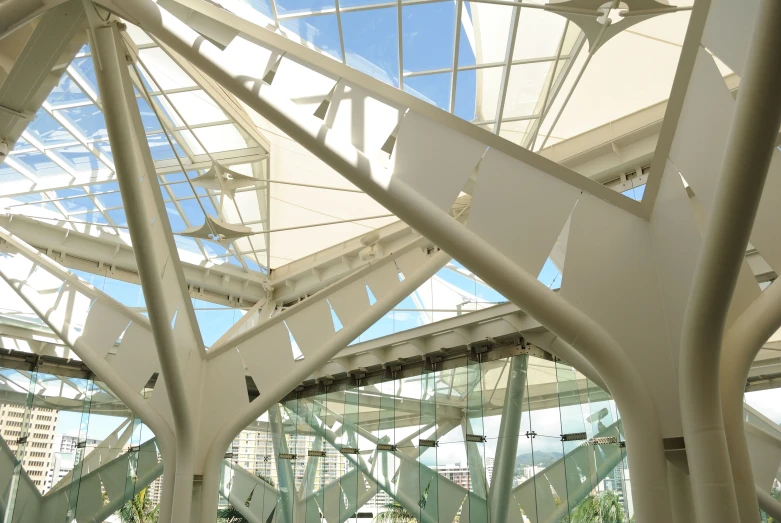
(70, 451)
(421, 446)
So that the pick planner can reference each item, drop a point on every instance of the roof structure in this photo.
(211, 203)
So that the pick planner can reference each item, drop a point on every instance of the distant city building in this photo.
(37, 458)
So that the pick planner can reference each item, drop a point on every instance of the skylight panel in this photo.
(48, 131)
(432, 88)
(148, 118)
(81, 160)
(88, 120)
(85, 70)
(371, 43)
(218, 138)
(161, 149)
(321, 30)
(427, 35)
(466, 89)
(118, 217)
(195, 107)
(164, 70)
(177, 223)
(299, 6)
(538, 35)
(9, 174)
(67, 92)
(39, 165)
(524, 88)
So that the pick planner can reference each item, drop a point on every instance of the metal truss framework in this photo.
(411, 199)
(589, 316)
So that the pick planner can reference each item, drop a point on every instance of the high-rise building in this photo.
(30, 429)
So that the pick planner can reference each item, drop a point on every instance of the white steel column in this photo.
(285, 478)
(133, 160)
(500, 490)
(681, 495)
(744, 168)
(641, 422)
(741, 344)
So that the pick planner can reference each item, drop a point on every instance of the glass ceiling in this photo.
(61, 170)
(475, 60)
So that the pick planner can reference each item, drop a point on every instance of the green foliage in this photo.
(776, 494)
(139, 509)
(604, 507)
(229, 514)
(394, 513)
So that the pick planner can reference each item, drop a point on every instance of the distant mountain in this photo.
(540, 458)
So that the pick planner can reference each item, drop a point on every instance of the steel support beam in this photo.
(109, 256)
(15, 13)
(285, 476)
(749, 149)
(742, 343)
(155, 252)
(501, 486)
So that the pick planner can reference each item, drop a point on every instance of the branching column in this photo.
(500, 490)
(750, 142)
(156, 256)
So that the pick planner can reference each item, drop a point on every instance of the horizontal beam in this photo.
(106, 255)
(312, 273)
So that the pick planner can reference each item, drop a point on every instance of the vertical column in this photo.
(429, 481)
(500, 490)
(158, 263)
(285, 478)
(385, 459)
(577, 453)
(474, 439)
(348, 446)
(313, 494)
(88, 388)
(747, 155)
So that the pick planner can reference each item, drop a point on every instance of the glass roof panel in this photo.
(372, 44)
(85, 69)
(195, 107)
(67, 92)
(433, 88)
(538, 34)
(47, 130)
(88, 120)
(491, 31)
(466, 91)
(39, 165)
(9, 174)
(148, 118)
(81, 160)
(320, 30)
(427, 33)
(164, 70)
(524, 88)
(220, 138)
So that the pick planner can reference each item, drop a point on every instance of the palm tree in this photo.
(139, 509)
(229, 514)
(394, 513)
(604, 507)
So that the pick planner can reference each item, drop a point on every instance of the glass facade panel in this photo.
(420, 443)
